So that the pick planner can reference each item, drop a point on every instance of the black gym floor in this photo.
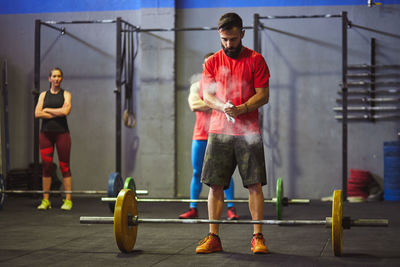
(56, 238)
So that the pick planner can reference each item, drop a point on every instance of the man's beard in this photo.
(233, 53)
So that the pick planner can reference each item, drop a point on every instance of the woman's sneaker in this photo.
(45, 205)
(190, 214)
(209, 244)
(67, 204)
(231, 214)
(258, 244)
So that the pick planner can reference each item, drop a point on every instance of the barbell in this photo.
(115, 184)
(279, 200)
(126, 221)
(78, 192)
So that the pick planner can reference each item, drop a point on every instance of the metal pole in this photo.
(62, 30)
(256, 33)
(118, 99)
(344, 104)
(257, 48)
(137, 29)
(372, 86)
(6, 124)
(375, 30)
(81, 21)
(36, 96)
(303, 16)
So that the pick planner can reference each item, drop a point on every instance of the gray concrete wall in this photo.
(302, 138)
(156, 106)
(87, 57)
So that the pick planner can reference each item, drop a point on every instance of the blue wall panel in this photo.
(265, 3)
(50, 6)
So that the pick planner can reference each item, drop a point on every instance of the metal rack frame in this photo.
(345, 22)
(52, 24)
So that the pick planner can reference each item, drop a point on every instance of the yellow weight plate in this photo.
(337, 228)
(125, 206)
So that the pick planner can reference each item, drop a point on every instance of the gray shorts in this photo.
(224, 152)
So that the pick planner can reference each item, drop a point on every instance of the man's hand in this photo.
(230, 111)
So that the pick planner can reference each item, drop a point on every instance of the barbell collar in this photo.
(142, 192)
(96, 220)
(347, 222)
(370, 222)
(299, 201)
(108, 199)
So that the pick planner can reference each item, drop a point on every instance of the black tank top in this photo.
(57, 124)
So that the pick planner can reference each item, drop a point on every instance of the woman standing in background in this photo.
(53, 107)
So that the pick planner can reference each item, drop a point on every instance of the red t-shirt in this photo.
(235, 80)
(202, 124)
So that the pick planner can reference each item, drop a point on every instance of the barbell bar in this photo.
(366, 66)
(134, 220)
(370, 100)
(115, 184)
(178, 200)
(369, 74)
(279, 208)
(369, 117)
(279, 201)
(83, 192)
(367, 92)
(364, 83)
(126, 221)
(367, 108)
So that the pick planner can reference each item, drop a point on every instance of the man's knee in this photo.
(255, 188)
(216, 189)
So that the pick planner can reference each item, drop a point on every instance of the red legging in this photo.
(63, 145)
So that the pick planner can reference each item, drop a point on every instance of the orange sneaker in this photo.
(190, 214)
(258, 244)
(209, 244)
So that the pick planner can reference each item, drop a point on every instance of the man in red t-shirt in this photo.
(236, 84)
